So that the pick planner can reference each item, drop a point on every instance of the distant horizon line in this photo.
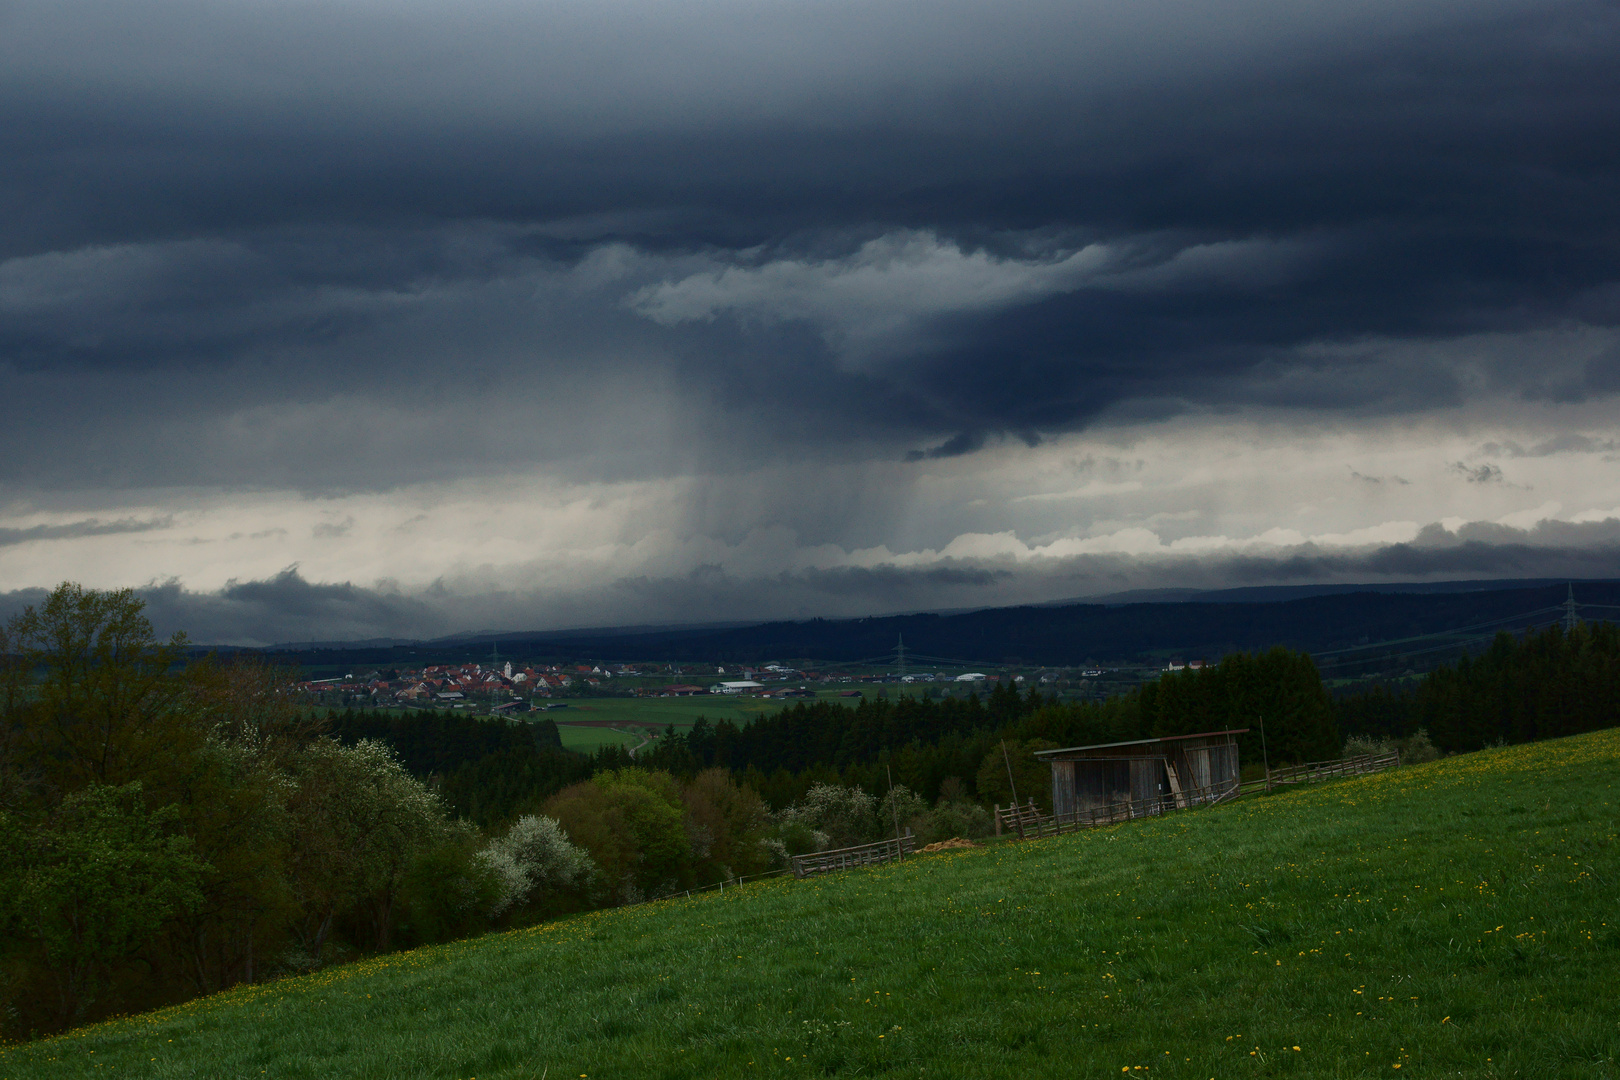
(1237, 594)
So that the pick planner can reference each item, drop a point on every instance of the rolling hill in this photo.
(1447, 919)
(1055, 635)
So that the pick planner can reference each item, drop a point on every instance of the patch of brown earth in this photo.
(953, 842)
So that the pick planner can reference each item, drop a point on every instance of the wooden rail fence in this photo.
(1315, 771)
(823, 862)
(1028, 822)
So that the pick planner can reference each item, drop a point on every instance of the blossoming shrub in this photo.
(535, 865)
(847, 815)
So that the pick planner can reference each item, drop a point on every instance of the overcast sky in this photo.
(341, 320)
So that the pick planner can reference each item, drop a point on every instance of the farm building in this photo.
(741, 686)
(1143, 776)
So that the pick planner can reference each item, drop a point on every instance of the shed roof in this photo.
(1139, 742)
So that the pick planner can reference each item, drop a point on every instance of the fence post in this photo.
(1018, 817)
(996, 812)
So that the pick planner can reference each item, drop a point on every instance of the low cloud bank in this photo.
(288, 609)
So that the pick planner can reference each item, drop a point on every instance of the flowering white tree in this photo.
(535, 854)
(847, 815)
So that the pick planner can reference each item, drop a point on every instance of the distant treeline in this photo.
(924, 743)
(1538, 686)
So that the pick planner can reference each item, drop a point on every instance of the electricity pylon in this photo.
(1571, 620)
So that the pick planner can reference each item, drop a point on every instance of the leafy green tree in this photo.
(232, 801)
(633, 824)
(93, 885)
(954, 819)
(448, 891)
(1033, 776)
(110, 708)
(900, 804)
(358, 821)
(726, 824)
(233, 806)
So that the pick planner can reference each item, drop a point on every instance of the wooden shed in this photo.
(1143, 776)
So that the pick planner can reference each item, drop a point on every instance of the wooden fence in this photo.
(823, 862)
(1313, 772)
(1028, 822)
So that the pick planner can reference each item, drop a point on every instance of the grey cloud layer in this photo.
(353, 247)
(963, 219)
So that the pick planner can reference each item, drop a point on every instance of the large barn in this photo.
(1143, 776)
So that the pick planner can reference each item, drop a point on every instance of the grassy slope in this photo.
(1453, 919)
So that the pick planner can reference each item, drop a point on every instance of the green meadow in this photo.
(631, 715)
(1451, 919)
(587, 740)
(681, 712)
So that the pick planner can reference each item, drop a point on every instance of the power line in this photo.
(1442, 633)
(1443, 647)
(1456, 637)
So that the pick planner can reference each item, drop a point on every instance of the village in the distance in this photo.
(506, 687)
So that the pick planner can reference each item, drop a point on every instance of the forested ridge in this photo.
(171, 828)
(1537, 686)
(1059, 634)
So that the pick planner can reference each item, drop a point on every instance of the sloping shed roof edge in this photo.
(1140, 742)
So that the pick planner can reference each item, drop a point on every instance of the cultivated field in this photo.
(591, 722)
(1453, 919)
(588, 738)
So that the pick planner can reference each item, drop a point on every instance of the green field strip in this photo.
(588, 740)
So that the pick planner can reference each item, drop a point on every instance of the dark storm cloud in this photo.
(287, 608)
(217, 214)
